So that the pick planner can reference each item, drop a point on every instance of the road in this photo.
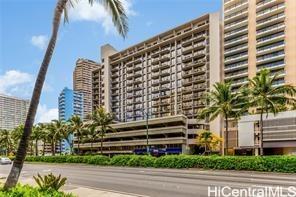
(156, 182)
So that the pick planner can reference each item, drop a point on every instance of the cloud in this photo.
(83, 11)
(45, 115)
(39, 41)
(15, 82)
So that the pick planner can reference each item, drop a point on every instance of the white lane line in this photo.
(109, 190)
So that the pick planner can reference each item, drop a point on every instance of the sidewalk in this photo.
(78, 190)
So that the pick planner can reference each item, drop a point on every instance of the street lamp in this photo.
(147, 130)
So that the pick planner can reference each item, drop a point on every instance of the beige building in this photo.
(279, 133)
(258, 34)
(13, 111)
(82, 82)
(163, 77)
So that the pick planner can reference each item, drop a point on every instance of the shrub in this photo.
(267, 163)
(28, 191)
(50, 182)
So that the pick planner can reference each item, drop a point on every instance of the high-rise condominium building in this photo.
(259, 34)
(162, 79)
(13, 111)
(70, 103)
(82, 82)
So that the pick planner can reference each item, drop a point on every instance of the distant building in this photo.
(70, 103)
(82, 82)
(13, 111)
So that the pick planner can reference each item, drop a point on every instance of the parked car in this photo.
(5, 160)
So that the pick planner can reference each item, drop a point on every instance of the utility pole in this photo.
(147, 131)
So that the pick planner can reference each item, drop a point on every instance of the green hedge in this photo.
(252, 163)
(29, 191)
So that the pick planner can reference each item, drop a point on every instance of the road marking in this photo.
(108, 190)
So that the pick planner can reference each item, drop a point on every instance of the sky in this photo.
(25, 27)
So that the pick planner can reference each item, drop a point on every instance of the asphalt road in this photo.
(156, 182)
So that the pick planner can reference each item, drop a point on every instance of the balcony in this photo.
(270, 57)
(272, 66)
(236, 16)
(196, 63)
(138, 67)
(270, 21)
(235, 75)
(236, 41)
(270, 39)
(233, 67)
(190, 41)
(236, 25)
(271, 30)
(271, 11)
(236, 49)
(240, 82)
(236, 7)
(164, 58)
(236, 58)
(235, 33)
(190, 48)
(267, 3)
(270, 48)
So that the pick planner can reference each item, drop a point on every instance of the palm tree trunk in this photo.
(22, 149)
(78, 145)
(91, 146)
(60, 147)
(226, 136)
(102, 144)
(261, 133)
(43, 153)
(36, 147)
(52, 148)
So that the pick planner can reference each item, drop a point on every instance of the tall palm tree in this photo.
(16, 134)
(66, 133)
(92, 135)
(119, 18)
(59, 127)
(266, 98)
(5, 140)
(102, 120)
(222, 101)
(77, 127)
(36, 136)
(44, 135)
(52, 137)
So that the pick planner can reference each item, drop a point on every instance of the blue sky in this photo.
(25, 26)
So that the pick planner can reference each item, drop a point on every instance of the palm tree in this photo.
(77, 127)
(119, 18)
(5, 140)
(66, 133)
(222, 101)
(92, 135)
(36, 136)
(51, 137)
(44, 135)
(16, 134)
(59, 127)
(265, 97)
(102, 120)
